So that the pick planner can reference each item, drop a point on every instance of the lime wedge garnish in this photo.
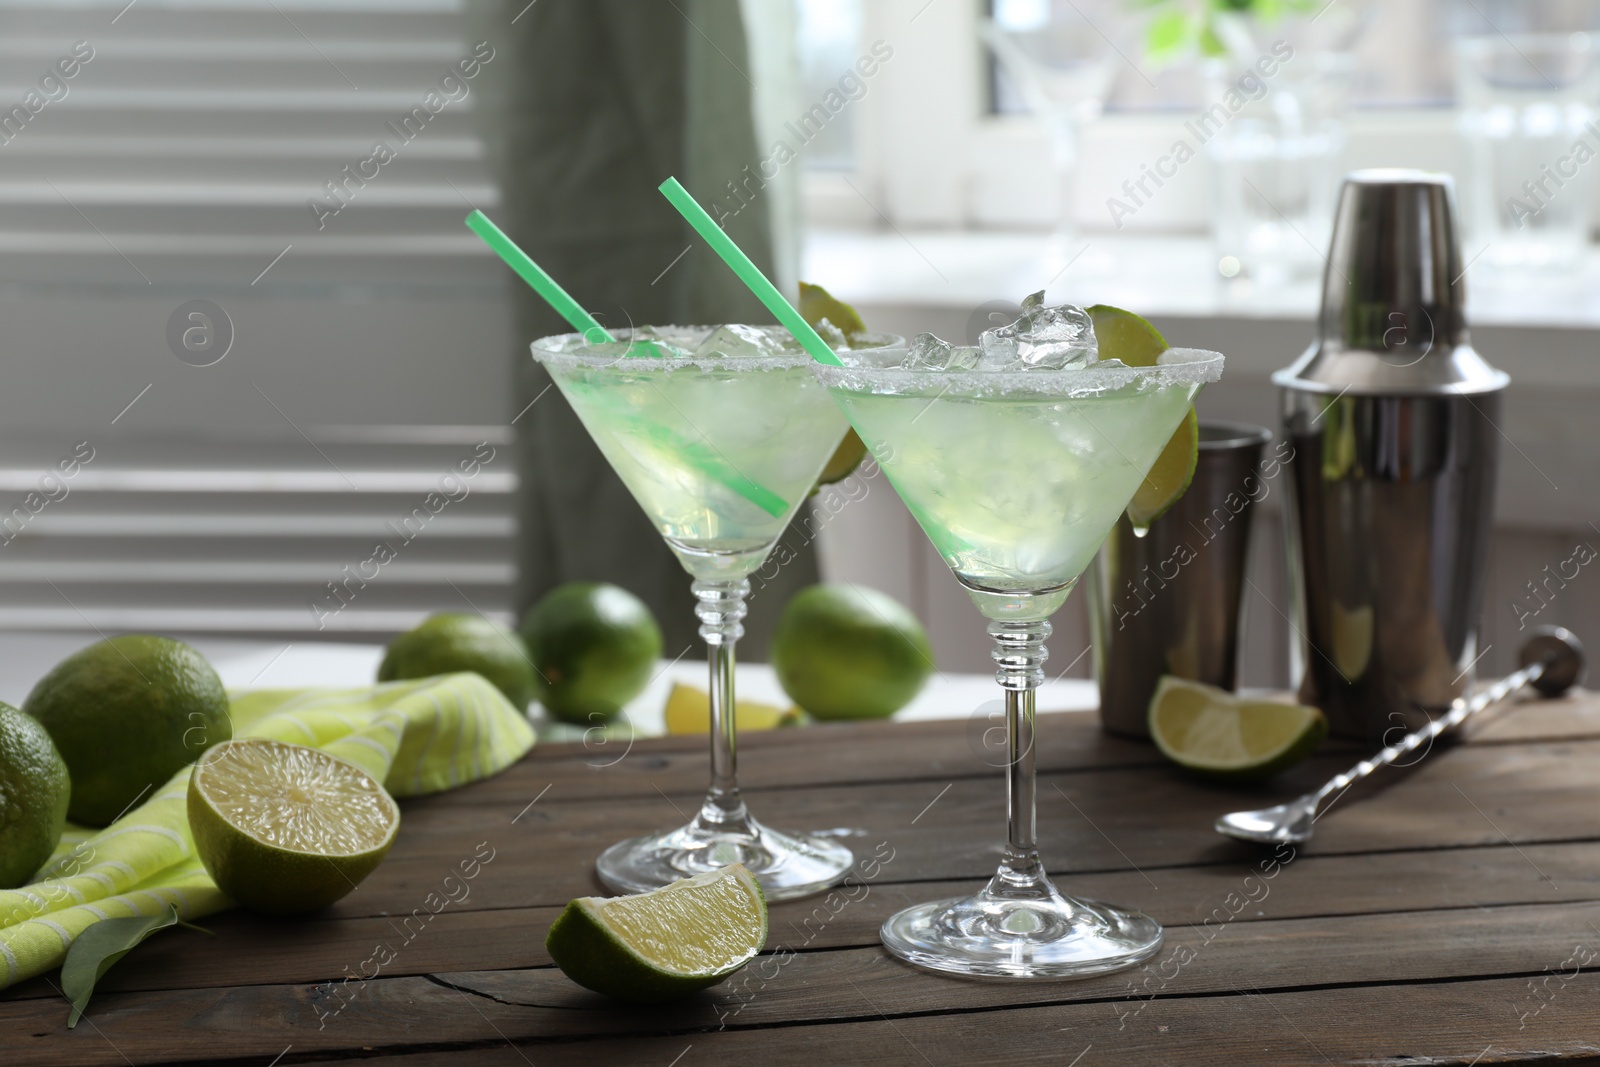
(688, 711)
(816, 304)
(845, 459)
(1125, 336)
(1170, 475)
(286, 829)
(1224, 736)
(665, 944)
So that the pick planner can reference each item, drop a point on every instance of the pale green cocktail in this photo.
(719, 434)
(719, 450)
(1015, 491)
(1017, 473)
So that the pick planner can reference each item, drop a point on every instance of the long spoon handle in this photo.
(1460, 711)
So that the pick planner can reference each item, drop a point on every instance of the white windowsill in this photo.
(1160, 275)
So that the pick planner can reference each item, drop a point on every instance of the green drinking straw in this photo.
(542, 283)
(748, 272)
(708, 461)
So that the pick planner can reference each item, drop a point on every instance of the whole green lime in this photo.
(127, 714)
(845, 652)
(446, 643)
(34, 790)
(595, 647)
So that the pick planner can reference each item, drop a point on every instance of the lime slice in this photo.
(844, 461)
(1125, 336)
(1169, 476)
(665, 944)
(689, 712)
(816, 304)
(286, 829)
(1223, 736)
(1352, 639)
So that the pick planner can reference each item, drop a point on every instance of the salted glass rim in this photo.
(1175, 366)
(572, 350)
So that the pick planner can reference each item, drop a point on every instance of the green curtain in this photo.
(591, 104)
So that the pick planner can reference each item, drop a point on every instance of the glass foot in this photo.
(786, 865)
(993, 935)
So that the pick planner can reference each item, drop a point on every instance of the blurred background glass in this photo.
(1526, 103)
(1060, 57)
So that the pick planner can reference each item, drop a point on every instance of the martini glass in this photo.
(719, 450)
(1016, 477)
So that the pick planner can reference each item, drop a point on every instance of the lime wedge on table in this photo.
(1125, 336)
(1224, 736)
(688, 711)
(286, 829)
(665, 944)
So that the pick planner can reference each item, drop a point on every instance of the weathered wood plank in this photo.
(852, 984)
(1088, 820)
(326, 949)
(836, 753)
(1506, 819)
(1455, 1024)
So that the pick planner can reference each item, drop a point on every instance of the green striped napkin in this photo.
(416, 737)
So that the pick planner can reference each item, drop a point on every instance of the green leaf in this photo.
(1168, 35)
(101, 945)
(1211, 44)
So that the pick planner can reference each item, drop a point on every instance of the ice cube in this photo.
(999, 346)
(931, 353)
(659, 350)
(1044, 338)
(832, 334)
(737, 340)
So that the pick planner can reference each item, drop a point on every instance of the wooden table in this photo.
(1450, 914)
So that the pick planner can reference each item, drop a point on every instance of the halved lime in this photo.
(688, 711)
(286, 829)
(1224, 736)
(666, 944)
(1125, 336)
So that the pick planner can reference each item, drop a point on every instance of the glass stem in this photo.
(721, 610)
(1019, 656)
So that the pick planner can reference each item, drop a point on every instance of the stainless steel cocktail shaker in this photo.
(1391, 415)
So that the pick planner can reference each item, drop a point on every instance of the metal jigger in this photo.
(1390, 413)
